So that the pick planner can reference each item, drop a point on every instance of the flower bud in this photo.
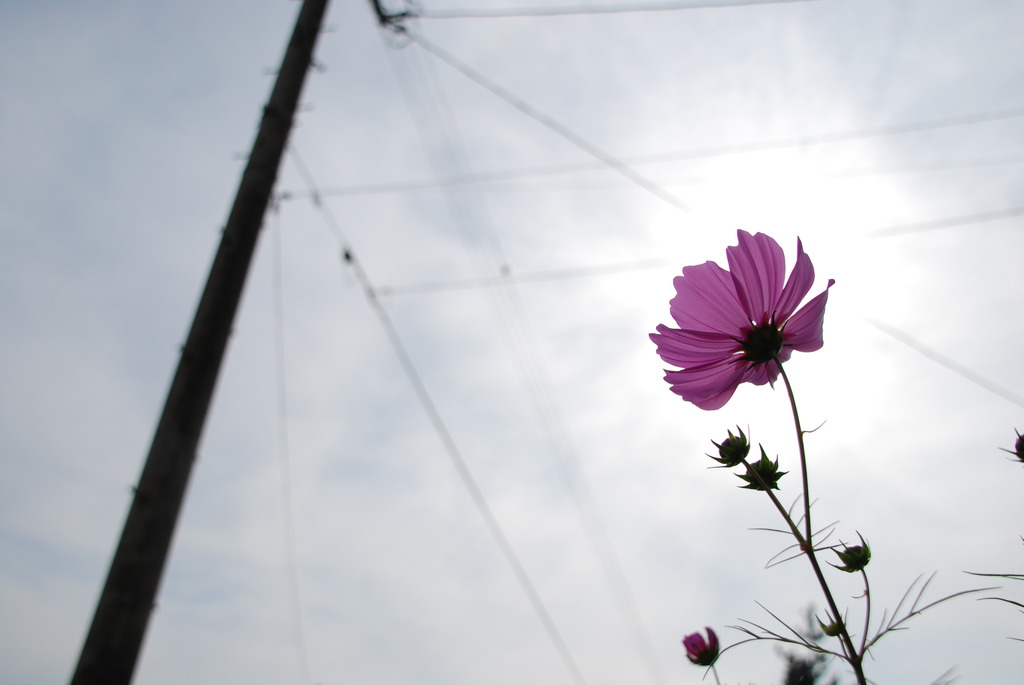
(832, 629)
(763, 474)
(854, 557)
(1018, 447)
(700, 651)
(733, 450)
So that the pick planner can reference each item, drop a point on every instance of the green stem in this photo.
(717, 681)
(854, 657)
(867, 612)
(801, 542)
(803, 452)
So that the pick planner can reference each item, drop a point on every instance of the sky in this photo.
(519, 193)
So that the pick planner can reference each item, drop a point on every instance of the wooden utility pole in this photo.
(115, 637)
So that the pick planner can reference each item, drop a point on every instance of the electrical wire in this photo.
(498, 184)
(934, 224)
(554, 11)
(948, 363)
(291, 557)
(511, 319)
(833, 137)
(559, 128)
(508, 278)
(711, 152)
(928, 167)
(622, 166)
(476, 495)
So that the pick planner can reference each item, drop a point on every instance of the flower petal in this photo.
(803, 332)
(693, 348)
(800, 281)
(764, 373)
(706, 300)
(758, 266)
(712, 639)
(709, 386)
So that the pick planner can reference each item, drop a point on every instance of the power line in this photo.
(833, 137)
(462, 179)
(291, 558)
(451, 448)
(511, 318)
(559, 128)
(948, 363)
(529, 277)
(931, 225)
(497, 182)
(925, 167)
(710, 152)
(498, 13)
(466, 476)
(503, 177)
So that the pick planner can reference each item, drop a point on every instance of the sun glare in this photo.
(772, 192)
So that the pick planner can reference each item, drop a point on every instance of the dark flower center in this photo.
(762, 343)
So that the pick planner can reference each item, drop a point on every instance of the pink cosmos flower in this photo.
(700, 651)
(737, 326)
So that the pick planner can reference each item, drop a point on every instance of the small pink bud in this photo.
(700, 651)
